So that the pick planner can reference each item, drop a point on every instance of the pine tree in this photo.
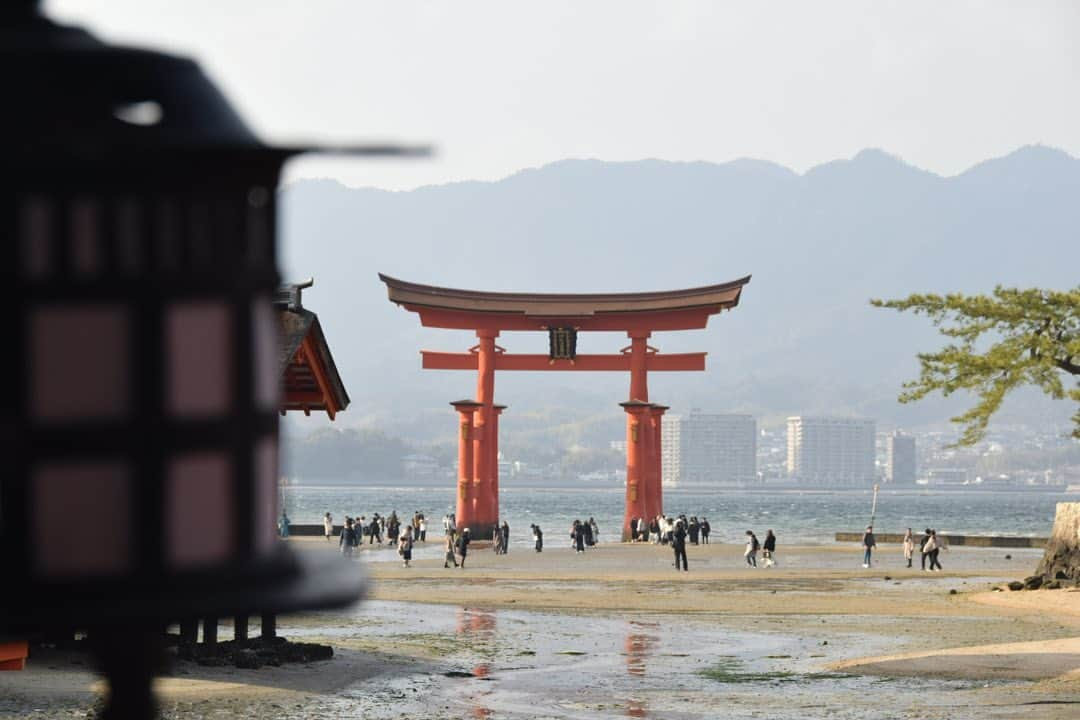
(999, 342)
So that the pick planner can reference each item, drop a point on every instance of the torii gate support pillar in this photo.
(636, 429)
(654, 490)
(464, 514)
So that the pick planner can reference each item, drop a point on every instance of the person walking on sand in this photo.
(283, 525)
(922, 544)
(405, 543)
(909, 546)
(449, 546)
(678, 544)
(768, 551)
(705, 528)
(423, 529)
(497, 540)
(328, 526)
(538, 538)
(751, 549)
(347, 539)
(594, 531)
(868, 543)
(932, 548)
(504, 531)
(463, 546)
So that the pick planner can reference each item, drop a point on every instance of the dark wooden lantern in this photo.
(139, 429)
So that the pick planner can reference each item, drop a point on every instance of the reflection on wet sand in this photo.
(479, 625)
(638, 645)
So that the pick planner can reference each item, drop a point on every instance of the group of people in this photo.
(583, 534)
(500, 538)
(661, 529)
(929, 547)
(378, 528)
(354, 530)
(768, 549)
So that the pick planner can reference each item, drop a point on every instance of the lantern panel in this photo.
(36, 227)
(266, 495)
(265, 344)
(129, 251)
(199, 357)
(167, 235)
(82, 519)
(85, 238)
(79, 363)
(199, 510)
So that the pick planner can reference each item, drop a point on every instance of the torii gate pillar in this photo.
(637, 424)
(654, 489)
(464, 514)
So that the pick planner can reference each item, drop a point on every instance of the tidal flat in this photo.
(617, 632)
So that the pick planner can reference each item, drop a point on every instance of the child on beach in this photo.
(405, 545)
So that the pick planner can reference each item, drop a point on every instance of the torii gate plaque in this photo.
(562, 317)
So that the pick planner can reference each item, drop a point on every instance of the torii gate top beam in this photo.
(687, 309)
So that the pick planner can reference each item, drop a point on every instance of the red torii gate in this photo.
(562, 316)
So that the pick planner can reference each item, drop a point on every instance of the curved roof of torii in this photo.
(663, 310)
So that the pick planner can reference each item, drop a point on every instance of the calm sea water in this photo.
(795, 516)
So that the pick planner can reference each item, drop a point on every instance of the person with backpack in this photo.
(752, 546)
(769, 549)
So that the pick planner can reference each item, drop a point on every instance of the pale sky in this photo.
(499, 86)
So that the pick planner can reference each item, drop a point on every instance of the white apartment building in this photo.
(900, 463)
(706, 448)
(830, 450)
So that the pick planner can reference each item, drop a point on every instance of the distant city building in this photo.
(829, 450)
(947, 476)
(703, 448)
(900, 464)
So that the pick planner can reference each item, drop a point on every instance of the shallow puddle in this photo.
(524, 664)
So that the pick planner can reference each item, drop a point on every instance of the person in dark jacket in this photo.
(504, 531)
(538, 537)
(693, 530)
(868, 543)
(768, 549)
(678, 543)
(463, 546)
(922, 545)
(577, 534)
(705, 529)
(347, 539)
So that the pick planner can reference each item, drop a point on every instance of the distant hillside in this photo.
(804, 339)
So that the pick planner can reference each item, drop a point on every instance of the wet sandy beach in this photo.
(616, 632)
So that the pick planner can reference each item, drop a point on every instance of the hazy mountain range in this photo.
(803, 340)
